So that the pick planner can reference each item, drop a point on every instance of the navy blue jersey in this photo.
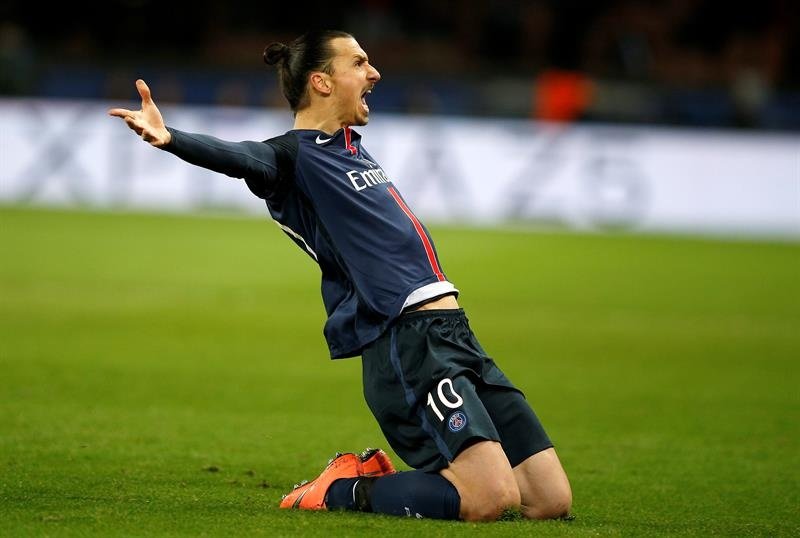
(333, 199)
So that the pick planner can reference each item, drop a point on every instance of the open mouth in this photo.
(364, 99)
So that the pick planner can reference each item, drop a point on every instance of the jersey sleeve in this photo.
(255, 162)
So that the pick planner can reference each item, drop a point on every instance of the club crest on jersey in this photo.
(367, 178)
(457, 421)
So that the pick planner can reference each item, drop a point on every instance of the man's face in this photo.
(353, 78)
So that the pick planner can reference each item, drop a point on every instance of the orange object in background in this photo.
(561, 95)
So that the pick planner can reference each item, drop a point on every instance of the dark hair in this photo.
(295, 61)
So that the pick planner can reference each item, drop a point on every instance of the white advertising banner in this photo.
(475, 171)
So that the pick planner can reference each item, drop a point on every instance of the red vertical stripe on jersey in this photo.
(421, 232)
(347, 143)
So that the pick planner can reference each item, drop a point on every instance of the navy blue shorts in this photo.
(434, 392)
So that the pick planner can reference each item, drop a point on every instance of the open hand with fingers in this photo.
(147, 122)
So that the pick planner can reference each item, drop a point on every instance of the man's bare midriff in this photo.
(448, 302)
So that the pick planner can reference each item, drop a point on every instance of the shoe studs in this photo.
(335, 456)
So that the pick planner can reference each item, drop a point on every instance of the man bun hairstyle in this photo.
(310, 52)
(275, 53)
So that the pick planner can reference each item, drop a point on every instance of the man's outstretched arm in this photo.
(254, 161)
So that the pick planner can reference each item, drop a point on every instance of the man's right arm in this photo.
(256, 162)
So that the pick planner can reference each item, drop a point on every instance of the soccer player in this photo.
(444, 406)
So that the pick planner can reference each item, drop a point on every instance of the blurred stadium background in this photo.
(675, 62)
(670, 116)
(151, 365)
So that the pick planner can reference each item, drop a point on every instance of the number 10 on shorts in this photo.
(454, 403)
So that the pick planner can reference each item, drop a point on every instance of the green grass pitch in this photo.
(164, 375)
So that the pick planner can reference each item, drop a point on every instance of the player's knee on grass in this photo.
(485, 482)
(554, 505)
(544, 486)
(488, 501)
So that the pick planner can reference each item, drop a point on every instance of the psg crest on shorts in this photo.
(457, 421)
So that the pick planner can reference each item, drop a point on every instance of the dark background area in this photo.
(675, 62)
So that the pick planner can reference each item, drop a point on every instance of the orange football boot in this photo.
(372, 462)
(311, 495)
(375, 463)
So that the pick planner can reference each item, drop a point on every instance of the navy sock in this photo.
(411, 494)
(415, 494)
(341, 494)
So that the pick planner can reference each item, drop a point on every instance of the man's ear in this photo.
(321, 82)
